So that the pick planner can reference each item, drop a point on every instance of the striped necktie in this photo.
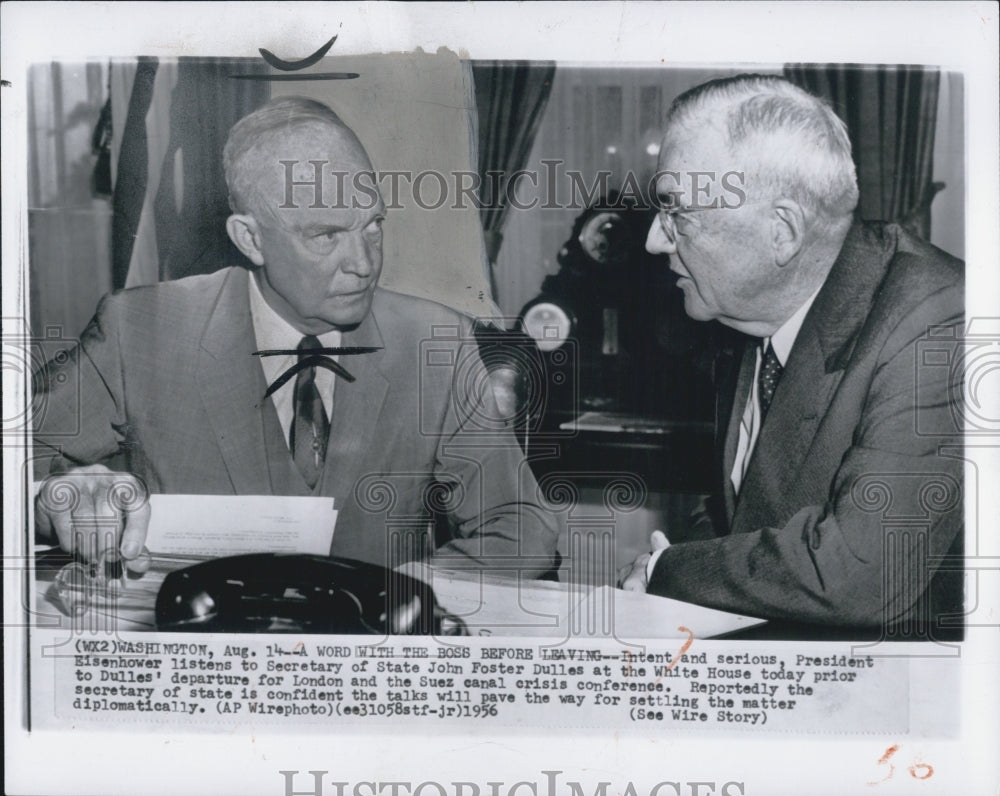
(310, 425)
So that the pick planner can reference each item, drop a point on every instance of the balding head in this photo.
(304, 215)
(753, 264)
(284, 128)
(788, 142)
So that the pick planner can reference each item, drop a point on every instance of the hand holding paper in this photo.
(92, 510)
(635, 577)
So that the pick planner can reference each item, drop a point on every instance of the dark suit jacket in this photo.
(165, 375)
(854, 486)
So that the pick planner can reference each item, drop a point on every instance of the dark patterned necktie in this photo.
(767, 379)
(310, 425)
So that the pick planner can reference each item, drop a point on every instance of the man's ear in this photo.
(244, 232)
(788, 230)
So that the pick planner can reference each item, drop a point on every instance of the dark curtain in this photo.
(206, 104)
(129, 192)
(890, 113)
(190, 203)
(510, 98)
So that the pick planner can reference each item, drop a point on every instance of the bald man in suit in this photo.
(169, 382)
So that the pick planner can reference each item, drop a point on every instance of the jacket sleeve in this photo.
(865, 555)
(78, 412)
(488, 489)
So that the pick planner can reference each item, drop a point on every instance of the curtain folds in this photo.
(191, 204)
(133, 172)
(69, 212)
(510, 98)
(890, 113)
(170, 195)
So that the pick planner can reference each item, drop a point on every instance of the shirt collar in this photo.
(783, 339)
(274, 332)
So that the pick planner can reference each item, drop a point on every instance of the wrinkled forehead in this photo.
(694, 143)
(693, 159)
(317, 174)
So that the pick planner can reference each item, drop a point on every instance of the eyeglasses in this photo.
(668, 217)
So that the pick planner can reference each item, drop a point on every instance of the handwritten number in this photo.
(883, 760)
(918, 770)
(928, 771)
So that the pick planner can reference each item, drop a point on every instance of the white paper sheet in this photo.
(645, 616)
(498, 606)
(221, 525)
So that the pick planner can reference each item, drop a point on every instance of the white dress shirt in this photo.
(781, 341)
(272, 331)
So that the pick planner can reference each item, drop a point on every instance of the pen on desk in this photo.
(179, 557)
(120, 558)
(110, 567)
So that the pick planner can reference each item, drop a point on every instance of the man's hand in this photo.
(93, 509)
(635, 577)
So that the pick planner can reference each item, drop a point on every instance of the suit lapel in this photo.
(733, 389)
(815, 366)
(356, 409)
(232, 386)
(800, 402)
(844, 303)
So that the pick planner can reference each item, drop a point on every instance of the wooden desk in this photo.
(669, 456)
(489, 605)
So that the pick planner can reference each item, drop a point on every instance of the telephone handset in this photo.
(297, 593)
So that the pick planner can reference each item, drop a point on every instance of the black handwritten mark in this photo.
(304, 76)
(319, 358)
(293, 66)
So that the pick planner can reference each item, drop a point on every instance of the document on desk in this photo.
(497, 606)
(225, 525)
(640, 616)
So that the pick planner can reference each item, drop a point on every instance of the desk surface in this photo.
(489, 605)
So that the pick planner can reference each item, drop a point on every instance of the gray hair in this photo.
(241, 157)
(792, 142)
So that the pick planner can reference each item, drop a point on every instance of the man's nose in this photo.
(657, 241)
(357, 256)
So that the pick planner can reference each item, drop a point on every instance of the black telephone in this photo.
(296, 593)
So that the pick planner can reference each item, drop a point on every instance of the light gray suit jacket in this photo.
(164, 377)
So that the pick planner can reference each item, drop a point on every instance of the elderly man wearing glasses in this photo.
(832, 424)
